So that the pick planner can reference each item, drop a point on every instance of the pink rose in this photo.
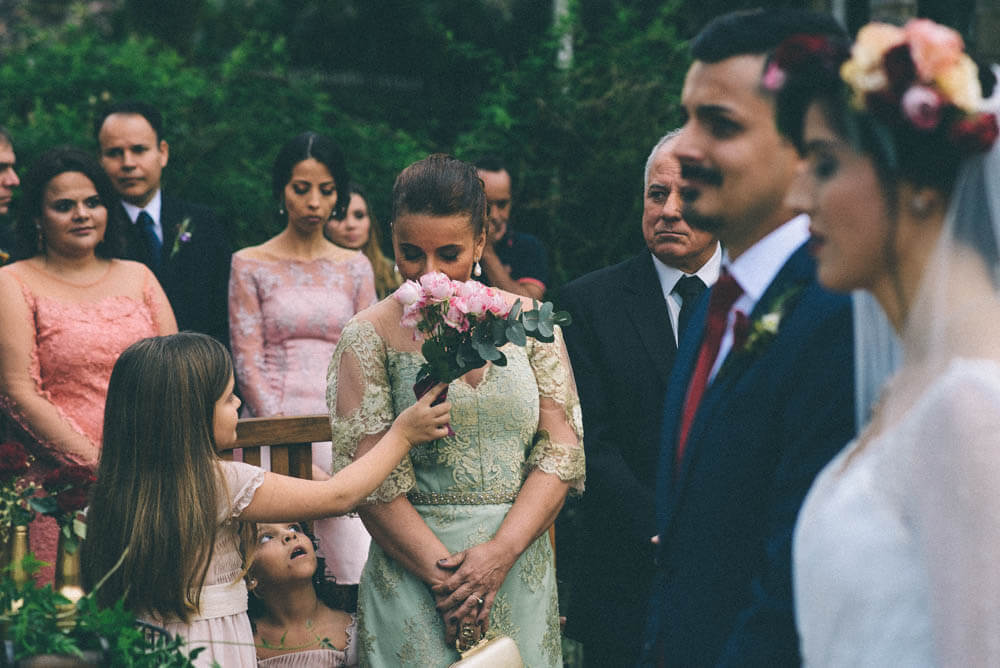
(934, 47)
(411, 316)
(470, 288)
(437, 286)
(498, 306)
(922, 107)
(408, 293)
(455, 317)
(774, 77)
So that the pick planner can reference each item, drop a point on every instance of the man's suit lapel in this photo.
(169, 221)
(645, 305)
(800, 269)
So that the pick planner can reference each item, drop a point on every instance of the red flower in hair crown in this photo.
(918, 75)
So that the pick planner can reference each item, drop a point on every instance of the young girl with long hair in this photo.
(161, 525)
(299, 617)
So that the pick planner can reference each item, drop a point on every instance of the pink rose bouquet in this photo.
(465, 324)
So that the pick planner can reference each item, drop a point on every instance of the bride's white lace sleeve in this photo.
(953, 484)
(359, 398)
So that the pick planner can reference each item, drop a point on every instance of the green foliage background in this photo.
(448, 76)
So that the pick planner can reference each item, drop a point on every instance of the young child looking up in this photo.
(290, 602)
(165, 504)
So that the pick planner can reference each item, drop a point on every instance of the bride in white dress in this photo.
(897, 547)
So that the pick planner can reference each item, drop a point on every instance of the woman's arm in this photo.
(163, 315)
(20, 390)
(246, 335)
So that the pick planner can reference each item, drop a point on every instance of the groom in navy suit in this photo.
(761, 393)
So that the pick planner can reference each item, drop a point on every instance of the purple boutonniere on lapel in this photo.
(184, 233)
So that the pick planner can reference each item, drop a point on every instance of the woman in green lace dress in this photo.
(459, 527)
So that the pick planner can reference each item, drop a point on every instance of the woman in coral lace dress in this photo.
(68, 310)
(289, 298)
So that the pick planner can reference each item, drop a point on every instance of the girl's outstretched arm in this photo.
(282, 498)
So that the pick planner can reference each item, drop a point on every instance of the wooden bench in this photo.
(290, 439)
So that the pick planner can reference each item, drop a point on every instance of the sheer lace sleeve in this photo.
(157, 302)
(246, 334)
(21, 393)
(952, 497)
(359, 398)
(365, 294)
(558, 447)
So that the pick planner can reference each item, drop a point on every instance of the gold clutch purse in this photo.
(498, 652)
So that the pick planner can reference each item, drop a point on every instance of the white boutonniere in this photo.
(751, 336)
(184, 233)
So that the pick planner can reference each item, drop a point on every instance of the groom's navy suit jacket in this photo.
(773, 416)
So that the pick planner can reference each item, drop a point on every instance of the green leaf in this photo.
(44, 504)
(516, 335)
(515, 311)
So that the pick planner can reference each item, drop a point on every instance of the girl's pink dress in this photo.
(222, 626)
(285, 319)
(79, 332)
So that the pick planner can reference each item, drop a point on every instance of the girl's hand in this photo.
(422, 422)
(479, 573)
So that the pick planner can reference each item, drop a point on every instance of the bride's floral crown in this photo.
(917, 76)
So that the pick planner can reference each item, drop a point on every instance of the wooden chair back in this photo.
(289, 437)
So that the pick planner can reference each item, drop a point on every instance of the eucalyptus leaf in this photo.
(516, 335)
(43, 504)
(515, 311)
(501, 360)
(530, 320)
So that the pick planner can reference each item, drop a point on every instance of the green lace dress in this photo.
(518, 418)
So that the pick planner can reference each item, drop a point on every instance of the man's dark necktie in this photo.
(153, 243)
(689, 288)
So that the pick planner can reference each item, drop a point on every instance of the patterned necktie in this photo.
(724, 294)
(689, 288)
(153, 243)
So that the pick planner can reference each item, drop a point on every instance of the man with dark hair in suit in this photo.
(626, 322)
(761, 394)
(512, 260)
(183, 243)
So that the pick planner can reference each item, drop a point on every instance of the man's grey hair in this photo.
(652, 156)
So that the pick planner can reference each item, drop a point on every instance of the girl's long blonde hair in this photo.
(158, 485)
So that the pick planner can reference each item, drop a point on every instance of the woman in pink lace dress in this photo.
(289, 299)
(68, 309)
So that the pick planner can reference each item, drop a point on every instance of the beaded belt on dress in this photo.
(419, 498)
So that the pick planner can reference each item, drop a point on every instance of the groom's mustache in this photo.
(712, 177)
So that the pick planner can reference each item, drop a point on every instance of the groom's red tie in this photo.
(724, 293)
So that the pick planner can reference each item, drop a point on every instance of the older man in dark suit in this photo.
(183, 243)
(626, 322)
(761, 393)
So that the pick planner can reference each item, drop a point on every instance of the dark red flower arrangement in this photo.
(68, 489)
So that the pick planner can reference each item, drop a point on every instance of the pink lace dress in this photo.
(285, 319)
(59, 344)
(222, 626)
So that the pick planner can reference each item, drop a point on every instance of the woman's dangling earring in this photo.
(920, 205)
(281, 208)
(395, 268)
(477, 270)
(41, 238)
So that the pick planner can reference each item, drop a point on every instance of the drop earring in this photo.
(920, 205)
(281, 208)
(395, 268)
(477, 270)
